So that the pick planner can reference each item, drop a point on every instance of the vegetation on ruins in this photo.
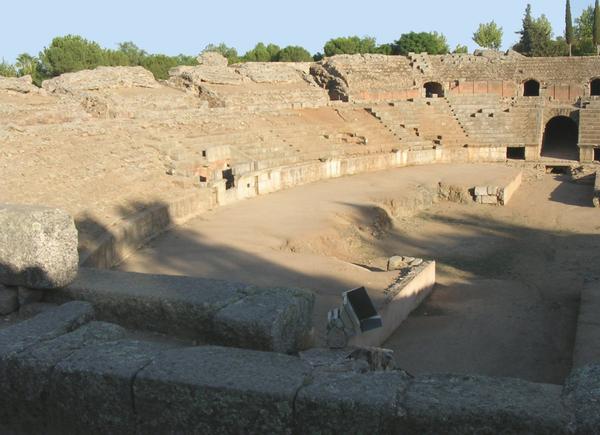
(294, 53)
(423, 42)
(229, 52)
(73, 53)
(569, 33)
(262, 53)
(7, 70)
(489, 35)
(596, 27)
(352, 45)
(537, 37)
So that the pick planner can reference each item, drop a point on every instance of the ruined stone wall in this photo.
(379, 77)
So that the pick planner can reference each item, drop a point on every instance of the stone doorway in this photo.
(531, 88)
(560, 139)
(433, 89)
(595, 87)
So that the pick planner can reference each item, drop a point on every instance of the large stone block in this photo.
(278, 319)
(478, 404)
(91, 390)
(212, 311)
(581, 395)
(352, 403)
(24, 402)
(38, 247)
(218, 390)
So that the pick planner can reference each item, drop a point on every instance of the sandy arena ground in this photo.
(509, 278)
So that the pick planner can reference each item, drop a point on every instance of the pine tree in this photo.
(569, 27)
(525, 44)
(596, 31)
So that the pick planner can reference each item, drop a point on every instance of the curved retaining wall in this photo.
(123, 239)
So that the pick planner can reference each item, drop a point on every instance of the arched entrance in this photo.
(560, 139)
(433, 88)
(595, 87)
(531, 88)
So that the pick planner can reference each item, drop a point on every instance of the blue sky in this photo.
(188, 26)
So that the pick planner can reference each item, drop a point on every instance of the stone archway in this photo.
(433, 88)
(531, 88)
(561, 137)
(595, 87)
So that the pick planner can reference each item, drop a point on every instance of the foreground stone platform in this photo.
(83, 376)
(212, 311)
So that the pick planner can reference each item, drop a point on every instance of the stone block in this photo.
(352, 403)
(581, 395)
(90, 391)
(23, 404)
(277, 319)
(44, 327)
(489, 199)
(479, 404)
(9, 300)
(492, 190)
(218, 390)
(481, 190)
(396, 263)
(38, 247)
(29, 296)
(213, 311)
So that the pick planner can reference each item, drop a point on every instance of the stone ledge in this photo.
(212, 311)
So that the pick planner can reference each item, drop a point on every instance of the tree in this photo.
(7, 69)
(262, 53)
(536, 37)
(569, 36)
(424, 42)
(27, 64)
(229, 52)
(489, 35)
(596, 27)
(350, 45)
(584, 30)
(293, 53)
(132, 53)
(461, 49)
(71, 53)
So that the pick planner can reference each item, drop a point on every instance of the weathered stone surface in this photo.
(35, 308)
(9, 301)
(212, 58)
(44, 327)
(275, 72)
(352, 403)
(29, 296)
(103, 77)
(28, 374)
(581, 395)
(479, 404)
(218, 390)
(278, 319)
(21, 85)
(90, 390)
(38, 247)
(396, 263)
(209, 310)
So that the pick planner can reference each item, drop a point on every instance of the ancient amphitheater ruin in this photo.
(172, 253)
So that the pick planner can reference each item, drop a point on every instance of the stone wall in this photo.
(64, 372)
(596, 198)
(379, 77)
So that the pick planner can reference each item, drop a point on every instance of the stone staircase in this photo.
(422, 123)
(489, 120)
(589, 123)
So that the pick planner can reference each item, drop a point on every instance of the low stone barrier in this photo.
(587, 340)
(596, 198)
(403, 297)
(83, 376)
(499, 195)
(123, 239)
(212, 311)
